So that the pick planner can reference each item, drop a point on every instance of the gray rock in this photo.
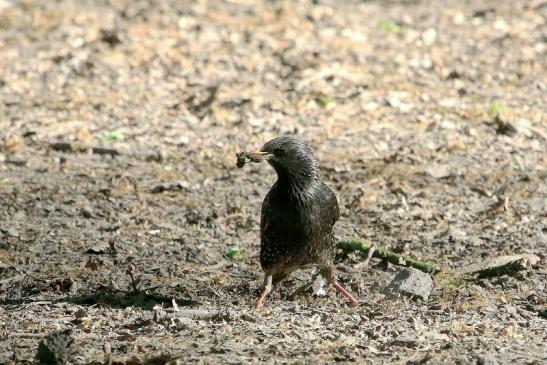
(411, 282)
(52, 350)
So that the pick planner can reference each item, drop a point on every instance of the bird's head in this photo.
(290, 156)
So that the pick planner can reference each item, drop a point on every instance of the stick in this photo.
(386, 255)
(72, 147)
(204, 315)
(371, 251)
(505, 265)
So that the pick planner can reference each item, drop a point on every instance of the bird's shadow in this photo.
(110, 298)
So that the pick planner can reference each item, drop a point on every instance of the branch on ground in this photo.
(363, 248)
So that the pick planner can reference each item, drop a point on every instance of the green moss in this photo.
(324, 101)
(497, 108)
(390, 26)
(115, 135)
(234, 252)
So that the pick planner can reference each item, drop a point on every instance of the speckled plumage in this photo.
(298, 216)
(297, 226)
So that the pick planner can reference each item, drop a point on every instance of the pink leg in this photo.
(265, 291)
(328, 274)
(352, 301)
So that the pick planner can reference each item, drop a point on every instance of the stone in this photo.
(411, 282)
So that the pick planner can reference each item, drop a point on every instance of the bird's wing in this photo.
(264, 214)
(335, 207)
(330, 212)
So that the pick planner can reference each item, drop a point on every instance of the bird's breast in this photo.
(291, 217)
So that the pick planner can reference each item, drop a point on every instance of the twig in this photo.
(386, 255)
(131, 269)
(205, 315)
(72, 147)
(107, 353)
(26, 335)
(506, 204)
(505, 265)
(371, 250)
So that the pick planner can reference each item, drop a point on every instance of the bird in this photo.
(297, 217)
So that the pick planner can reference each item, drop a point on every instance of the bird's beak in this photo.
(259, 155)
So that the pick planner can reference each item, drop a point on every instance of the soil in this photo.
(124, 218)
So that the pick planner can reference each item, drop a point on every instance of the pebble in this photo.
(412, 282)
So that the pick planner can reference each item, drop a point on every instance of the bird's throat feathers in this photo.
(301, 186)
(301, 172)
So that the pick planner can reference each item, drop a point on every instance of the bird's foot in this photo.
(259, 304)
(260, 301)
(267, 289)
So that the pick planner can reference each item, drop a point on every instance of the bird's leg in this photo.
(328, 274)
(352, 301)
(266, 289)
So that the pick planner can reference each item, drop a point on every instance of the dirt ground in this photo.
(399, 100)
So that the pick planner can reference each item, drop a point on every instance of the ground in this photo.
(429, 122)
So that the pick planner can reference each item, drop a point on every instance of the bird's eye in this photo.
(279, 152)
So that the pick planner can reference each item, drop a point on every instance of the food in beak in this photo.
(256, 156)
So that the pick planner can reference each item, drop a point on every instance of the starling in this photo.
(298, 215)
